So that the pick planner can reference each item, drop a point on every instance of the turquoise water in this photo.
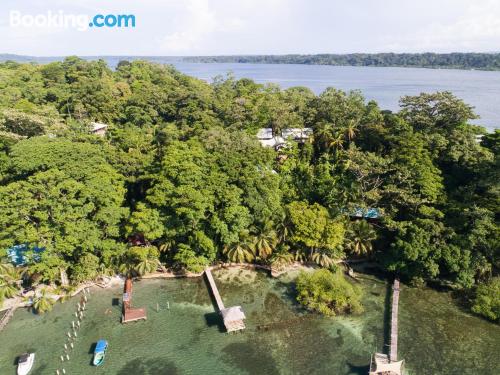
(280, 337)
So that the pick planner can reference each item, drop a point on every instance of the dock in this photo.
(233, 317)
(382, 364)
(213, 288)
(129, 313)
(393, 351)
(6, 318)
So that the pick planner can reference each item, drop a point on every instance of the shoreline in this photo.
(110, 281)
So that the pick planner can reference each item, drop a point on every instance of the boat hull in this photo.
(25, 366)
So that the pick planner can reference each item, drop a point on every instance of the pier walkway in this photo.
(215, 291)
(232, 316)
(130, 314)
(393, 351)
(5, 319)
(383, 364)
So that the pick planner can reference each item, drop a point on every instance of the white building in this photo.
(98, 128)
(267, 139)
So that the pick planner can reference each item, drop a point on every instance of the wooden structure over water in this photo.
(5, 319)
(233, 317)
(393, 351)
(383, 364)
(130, 314)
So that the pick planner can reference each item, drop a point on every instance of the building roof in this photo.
(96, 126)
(265, 133)
(367, 213)
(232, 314)
(297, 133)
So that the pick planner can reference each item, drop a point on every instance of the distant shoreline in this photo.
(458, 60)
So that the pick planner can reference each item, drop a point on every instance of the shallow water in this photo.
(280, 337)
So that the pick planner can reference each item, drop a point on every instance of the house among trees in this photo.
(98, 128)
(268, 138)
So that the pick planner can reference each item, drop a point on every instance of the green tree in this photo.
(360, 236)
(327, 293)
(42, 301)
(487, 300)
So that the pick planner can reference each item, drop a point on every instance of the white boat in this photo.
(25, 363)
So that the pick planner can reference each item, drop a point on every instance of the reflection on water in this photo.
(280, 337)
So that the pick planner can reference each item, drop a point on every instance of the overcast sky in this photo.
(215, 27)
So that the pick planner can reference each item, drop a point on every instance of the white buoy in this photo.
(67, 357)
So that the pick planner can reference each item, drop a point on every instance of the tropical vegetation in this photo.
(180, 180)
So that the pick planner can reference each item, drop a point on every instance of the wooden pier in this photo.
(382, 364)
(213, 288)
(130, 314)
(8, 315)
(393, 351)
(232, 316)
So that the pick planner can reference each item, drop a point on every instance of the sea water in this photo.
(183, 334)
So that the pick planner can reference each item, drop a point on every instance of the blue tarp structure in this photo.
(18, 254)
(367, 213)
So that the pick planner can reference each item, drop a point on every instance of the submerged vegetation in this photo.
(180, 179)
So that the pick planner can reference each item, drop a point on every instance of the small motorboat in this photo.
(100, 352)
(25, 363)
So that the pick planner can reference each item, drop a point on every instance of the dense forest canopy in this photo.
(181, 169)
(458, 60)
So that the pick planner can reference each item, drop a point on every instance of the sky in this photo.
(232, 27)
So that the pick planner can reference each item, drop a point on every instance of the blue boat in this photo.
(100, 352)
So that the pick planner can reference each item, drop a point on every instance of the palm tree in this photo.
(146, 265)
(322, 259)
(42, 302)
(284, 228)
(350, 130)
(127, 268)
(265, 240)
(9, 273)
(360, 236)
(7, 290)
(337, 142)
(9, 279)
(241, 251)
(281, 259)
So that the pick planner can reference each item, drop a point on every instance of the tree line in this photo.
(457, 60)
(181, 180)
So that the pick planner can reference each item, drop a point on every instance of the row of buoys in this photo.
(75, 326)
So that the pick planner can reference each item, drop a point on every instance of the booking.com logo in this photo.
(61, 19)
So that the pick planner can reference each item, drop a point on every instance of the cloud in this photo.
(196, 22)
(477, 28)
